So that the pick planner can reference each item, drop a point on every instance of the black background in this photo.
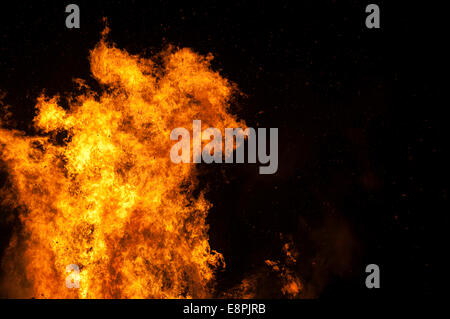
(360, 176)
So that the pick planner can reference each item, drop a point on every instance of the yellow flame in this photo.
(107, 198)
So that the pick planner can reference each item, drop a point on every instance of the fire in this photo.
(96, 187)
(291, 284)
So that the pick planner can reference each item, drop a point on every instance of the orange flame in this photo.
(291, 284)
(107, 197)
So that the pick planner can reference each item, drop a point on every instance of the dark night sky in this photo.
(360, 175)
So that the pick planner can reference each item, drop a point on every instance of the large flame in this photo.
(96, 186)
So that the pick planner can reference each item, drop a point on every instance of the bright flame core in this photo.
(108, 198)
